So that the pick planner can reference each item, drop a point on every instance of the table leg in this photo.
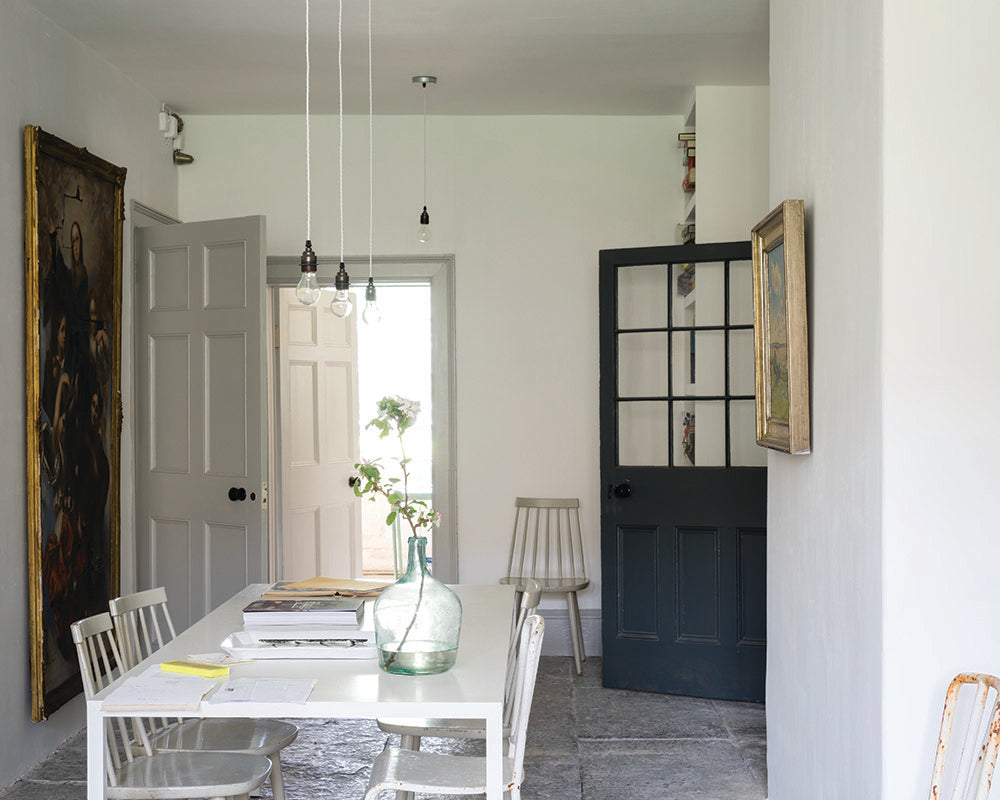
(95, 752)
(494, 755)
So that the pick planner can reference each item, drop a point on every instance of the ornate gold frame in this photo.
(73, 201)
(781, 339)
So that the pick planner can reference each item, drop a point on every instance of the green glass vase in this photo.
(417, 620)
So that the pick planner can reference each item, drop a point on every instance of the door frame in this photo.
(439, 271)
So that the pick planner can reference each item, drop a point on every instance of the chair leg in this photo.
(407, 742)
(575, 630)
(277, 781)
(579, 627)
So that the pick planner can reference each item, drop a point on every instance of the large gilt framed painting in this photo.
(74, 210)
(781, 340)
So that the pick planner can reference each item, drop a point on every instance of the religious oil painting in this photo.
(74, 209)
(781, 341)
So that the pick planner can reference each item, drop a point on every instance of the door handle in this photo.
(620, 490)
(237, 494)
(353, 480)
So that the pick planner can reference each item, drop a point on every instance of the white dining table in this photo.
(346, 688)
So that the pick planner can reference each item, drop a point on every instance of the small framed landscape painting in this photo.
(781, 341)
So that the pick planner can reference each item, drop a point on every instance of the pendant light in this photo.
(341, 305)
(424, 231)
(307, 291)
(371, 315)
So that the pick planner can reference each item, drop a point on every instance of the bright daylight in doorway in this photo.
(394, 358)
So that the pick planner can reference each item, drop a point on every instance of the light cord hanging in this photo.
(371, 315)
(424, 231)
(341, 305)
(307, 291)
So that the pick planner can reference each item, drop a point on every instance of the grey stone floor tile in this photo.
(683, 770)
(591, 677)
(552, 724)
(743, 719)
(34, 790)
(617, 714)
(551, 778)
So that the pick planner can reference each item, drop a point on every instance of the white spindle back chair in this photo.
(142, 775)
(969, 740)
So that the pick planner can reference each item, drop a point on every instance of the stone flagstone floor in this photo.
(584, 743)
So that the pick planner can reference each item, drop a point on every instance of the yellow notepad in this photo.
(195, 668)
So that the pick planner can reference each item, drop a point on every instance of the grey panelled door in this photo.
(200, 454)
(683, 517)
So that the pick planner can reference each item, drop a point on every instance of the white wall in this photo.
(825, 616)
(52, 81)
(941, 290)
(525, 204)
(732, 161)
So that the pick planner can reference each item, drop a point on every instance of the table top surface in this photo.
(358, 687)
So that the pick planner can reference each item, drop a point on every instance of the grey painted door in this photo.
(683, 544)
(200, 412)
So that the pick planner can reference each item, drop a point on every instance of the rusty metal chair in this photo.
(963, 769)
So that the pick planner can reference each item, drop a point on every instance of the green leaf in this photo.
(391, 518)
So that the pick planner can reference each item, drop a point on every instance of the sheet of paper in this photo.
(264, 690)
(343, 584)
(217, 658)
(157, 690)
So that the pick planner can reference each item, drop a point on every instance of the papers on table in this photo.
(350, 644)
(155, 690)
(326, 587)
(264, 690)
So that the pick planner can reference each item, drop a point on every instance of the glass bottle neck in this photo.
(417, 559)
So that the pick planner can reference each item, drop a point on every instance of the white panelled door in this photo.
(318, 374)
(200, 403)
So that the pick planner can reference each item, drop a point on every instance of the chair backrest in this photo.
(142, 624)
(524, 690)
(969, 740)
(99, 660)
(530, 597)
(547, 542)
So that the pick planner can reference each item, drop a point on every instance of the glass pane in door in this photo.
(643, 434)
(642, 296)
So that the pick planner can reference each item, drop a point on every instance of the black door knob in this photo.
(353, 480)
(242, 495)
(623, 490)
(234, 494)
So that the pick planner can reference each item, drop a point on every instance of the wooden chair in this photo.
(143, 625)
(965, 766)
(412, 730)
(439, 773)
(131, 776)
(547, 546)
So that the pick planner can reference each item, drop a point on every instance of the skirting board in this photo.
(557, 641)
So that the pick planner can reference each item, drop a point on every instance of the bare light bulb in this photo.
(341, 304)
(371, 315)
(307, 290)
(424, 231)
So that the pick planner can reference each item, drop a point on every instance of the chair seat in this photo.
(550, 585)
(445, 728)
(256, 736)
(182, 775)
(434, 773)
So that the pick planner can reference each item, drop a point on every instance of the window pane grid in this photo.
(680, 400)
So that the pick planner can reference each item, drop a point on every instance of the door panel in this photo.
(199, 410)
(683, 520)
(317, 366)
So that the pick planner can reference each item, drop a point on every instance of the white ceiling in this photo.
(490, 56)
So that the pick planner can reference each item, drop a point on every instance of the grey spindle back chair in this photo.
(136, 772)
(143, 625)
(547, 546)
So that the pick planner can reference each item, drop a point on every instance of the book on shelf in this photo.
(685, 136)
(325, 587)
(339, 611)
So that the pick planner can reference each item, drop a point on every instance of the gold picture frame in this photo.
(781, 338)
(73, 216)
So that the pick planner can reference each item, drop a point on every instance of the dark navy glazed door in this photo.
(683, 545)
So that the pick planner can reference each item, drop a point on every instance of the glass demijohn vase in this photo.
(417, 620)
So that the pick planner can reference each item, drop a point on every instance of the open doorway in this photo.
(394, 358)
(411, 354)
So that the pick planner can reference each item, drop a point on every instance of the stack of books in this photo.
(275, 619)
